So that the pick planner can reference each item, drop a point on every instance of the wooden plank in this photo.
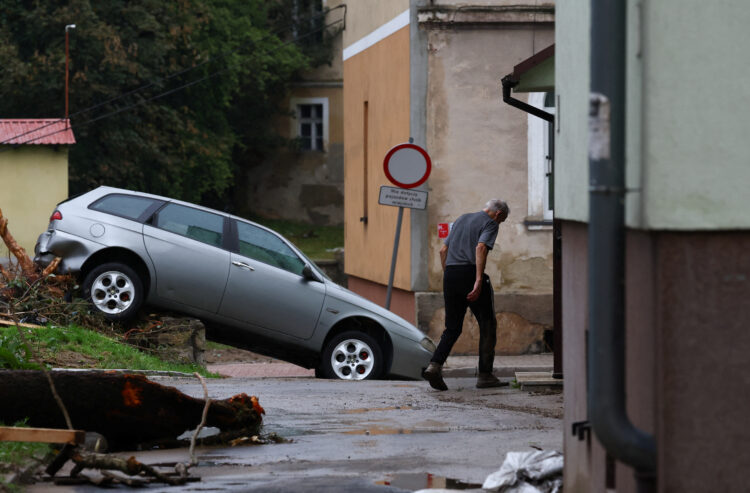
(41, 435)
(11, 323)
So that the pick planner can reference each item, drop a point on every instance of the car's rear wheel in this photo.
(352, 355)
(115, 290)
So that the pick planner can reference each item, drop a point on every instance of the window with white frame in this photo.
(540, 156)
(311, 123)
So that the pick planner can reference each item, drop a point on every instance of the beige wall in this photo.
(303, 185)
(478, 146)
(33, 179)
(334, 70)
(379, 76)
(306, 185)
(365, 16)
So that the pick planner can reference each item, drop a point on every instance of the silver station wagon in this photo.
(249, 285)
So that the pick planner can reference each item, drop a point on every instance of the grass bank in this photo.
(75, 347)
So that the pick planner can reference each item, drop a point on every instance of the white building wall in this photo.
(695, 125)
(687, 147)
(571, 93)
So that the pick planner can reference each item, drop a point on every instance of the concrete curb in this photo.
(499, 371)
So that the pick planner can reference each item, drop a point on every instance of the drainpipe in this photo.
(606, 349)
(509, 83)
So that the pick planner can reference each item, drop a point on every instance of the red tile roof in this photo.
(36, 131)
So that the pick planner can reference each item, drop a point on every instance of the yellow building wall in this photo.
(376, 79)
(33, 180)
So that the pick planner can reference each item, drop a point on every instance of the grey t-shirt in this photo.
(469, 230)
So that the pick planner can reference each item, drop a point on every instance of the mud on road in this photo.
(372, 433)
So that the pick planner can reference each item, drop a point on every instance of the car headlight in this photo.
(428, 344)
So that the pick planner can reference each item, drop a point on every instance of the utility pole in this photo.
(67, 58)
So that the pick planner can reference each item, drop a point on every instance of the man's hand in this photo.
(481, 261)
(474, 294)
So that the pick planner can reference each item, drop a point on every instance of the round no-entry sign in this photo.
(407, 165)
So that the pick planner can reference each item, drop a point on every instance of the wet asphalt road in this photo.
(362, 436)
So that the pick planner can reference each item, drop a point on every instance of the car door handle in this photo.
(241, 264)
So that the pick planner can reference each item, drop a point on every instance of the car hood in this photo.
(343, 294)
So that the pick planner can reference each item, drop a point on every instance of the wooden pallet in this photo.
(41, 435)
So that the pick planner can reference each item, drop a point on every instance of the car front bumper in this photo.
(409, 358)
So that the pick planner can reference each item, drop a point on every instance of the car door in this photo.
(186, 246)
(266, 287)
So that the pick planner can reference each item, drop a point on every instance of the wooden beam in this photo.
(11, 323)
(41, 435)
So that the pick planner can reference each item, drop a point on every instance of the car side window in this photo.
(263, 246)
(196, 224)
(128, 206)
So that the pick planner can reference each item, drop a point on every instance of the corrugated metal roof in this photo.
(36, 131)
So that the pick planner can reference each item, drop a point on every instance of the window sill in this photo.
(537, 224)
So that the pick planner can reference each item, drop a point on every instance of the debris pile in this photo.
(34, 295)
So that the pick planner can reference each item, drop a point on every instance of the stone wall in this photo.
(521, 323)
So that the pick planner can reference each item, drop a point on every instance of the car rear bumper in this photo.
(73, 250)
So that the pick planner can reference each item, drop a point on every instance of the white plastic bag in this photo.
(528, 472)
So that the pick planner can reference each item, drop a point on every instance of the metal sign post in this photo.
(393, 258)
(406, 166)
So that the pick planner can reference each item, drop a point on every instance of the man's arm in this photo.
(443, 255)
(481, 262)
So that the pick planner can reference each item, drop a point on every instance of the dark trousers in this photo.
(458, 281)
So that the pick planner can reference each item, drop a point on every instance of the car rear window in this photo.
(129, 206)
(195, 224)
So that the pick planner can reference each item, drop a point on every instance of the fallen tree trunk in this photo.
(127, 409)
(27, 265)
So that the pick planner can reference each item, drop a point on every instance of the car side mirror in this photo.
(309, 274)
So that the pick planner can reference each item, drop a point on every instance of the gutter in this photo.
(509, 82)
(606, 346)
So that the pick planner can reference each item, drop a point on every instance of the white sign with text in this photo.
(402, 197)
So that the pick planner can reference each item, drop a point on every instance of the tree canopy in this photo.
(165, 97)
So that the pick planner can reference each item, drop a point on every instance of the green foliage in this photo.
(223, 68)
(14, 355)
(14, 454)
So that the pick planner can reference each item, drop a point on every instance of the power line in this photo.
(171, 76)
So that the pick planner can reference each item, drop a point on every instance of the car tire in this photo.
(114, 290)
(352, 355)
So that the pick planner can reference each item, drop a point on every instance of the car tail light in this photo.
(56, 216)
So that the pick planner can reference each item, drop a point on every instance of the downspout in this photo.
(509, 83)
(606, 349)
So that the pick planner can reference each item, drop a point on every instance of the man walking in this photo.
(463, 256)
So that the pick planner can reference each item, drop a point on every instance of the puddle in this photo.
(420, 481)
(369, 409)
(390, 431)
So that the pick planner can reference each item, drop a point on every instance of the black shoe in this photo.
(433, 374)
(488, 380)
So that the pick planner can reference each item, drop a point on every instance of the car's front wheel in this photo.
(115, 290)
(352, 355)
